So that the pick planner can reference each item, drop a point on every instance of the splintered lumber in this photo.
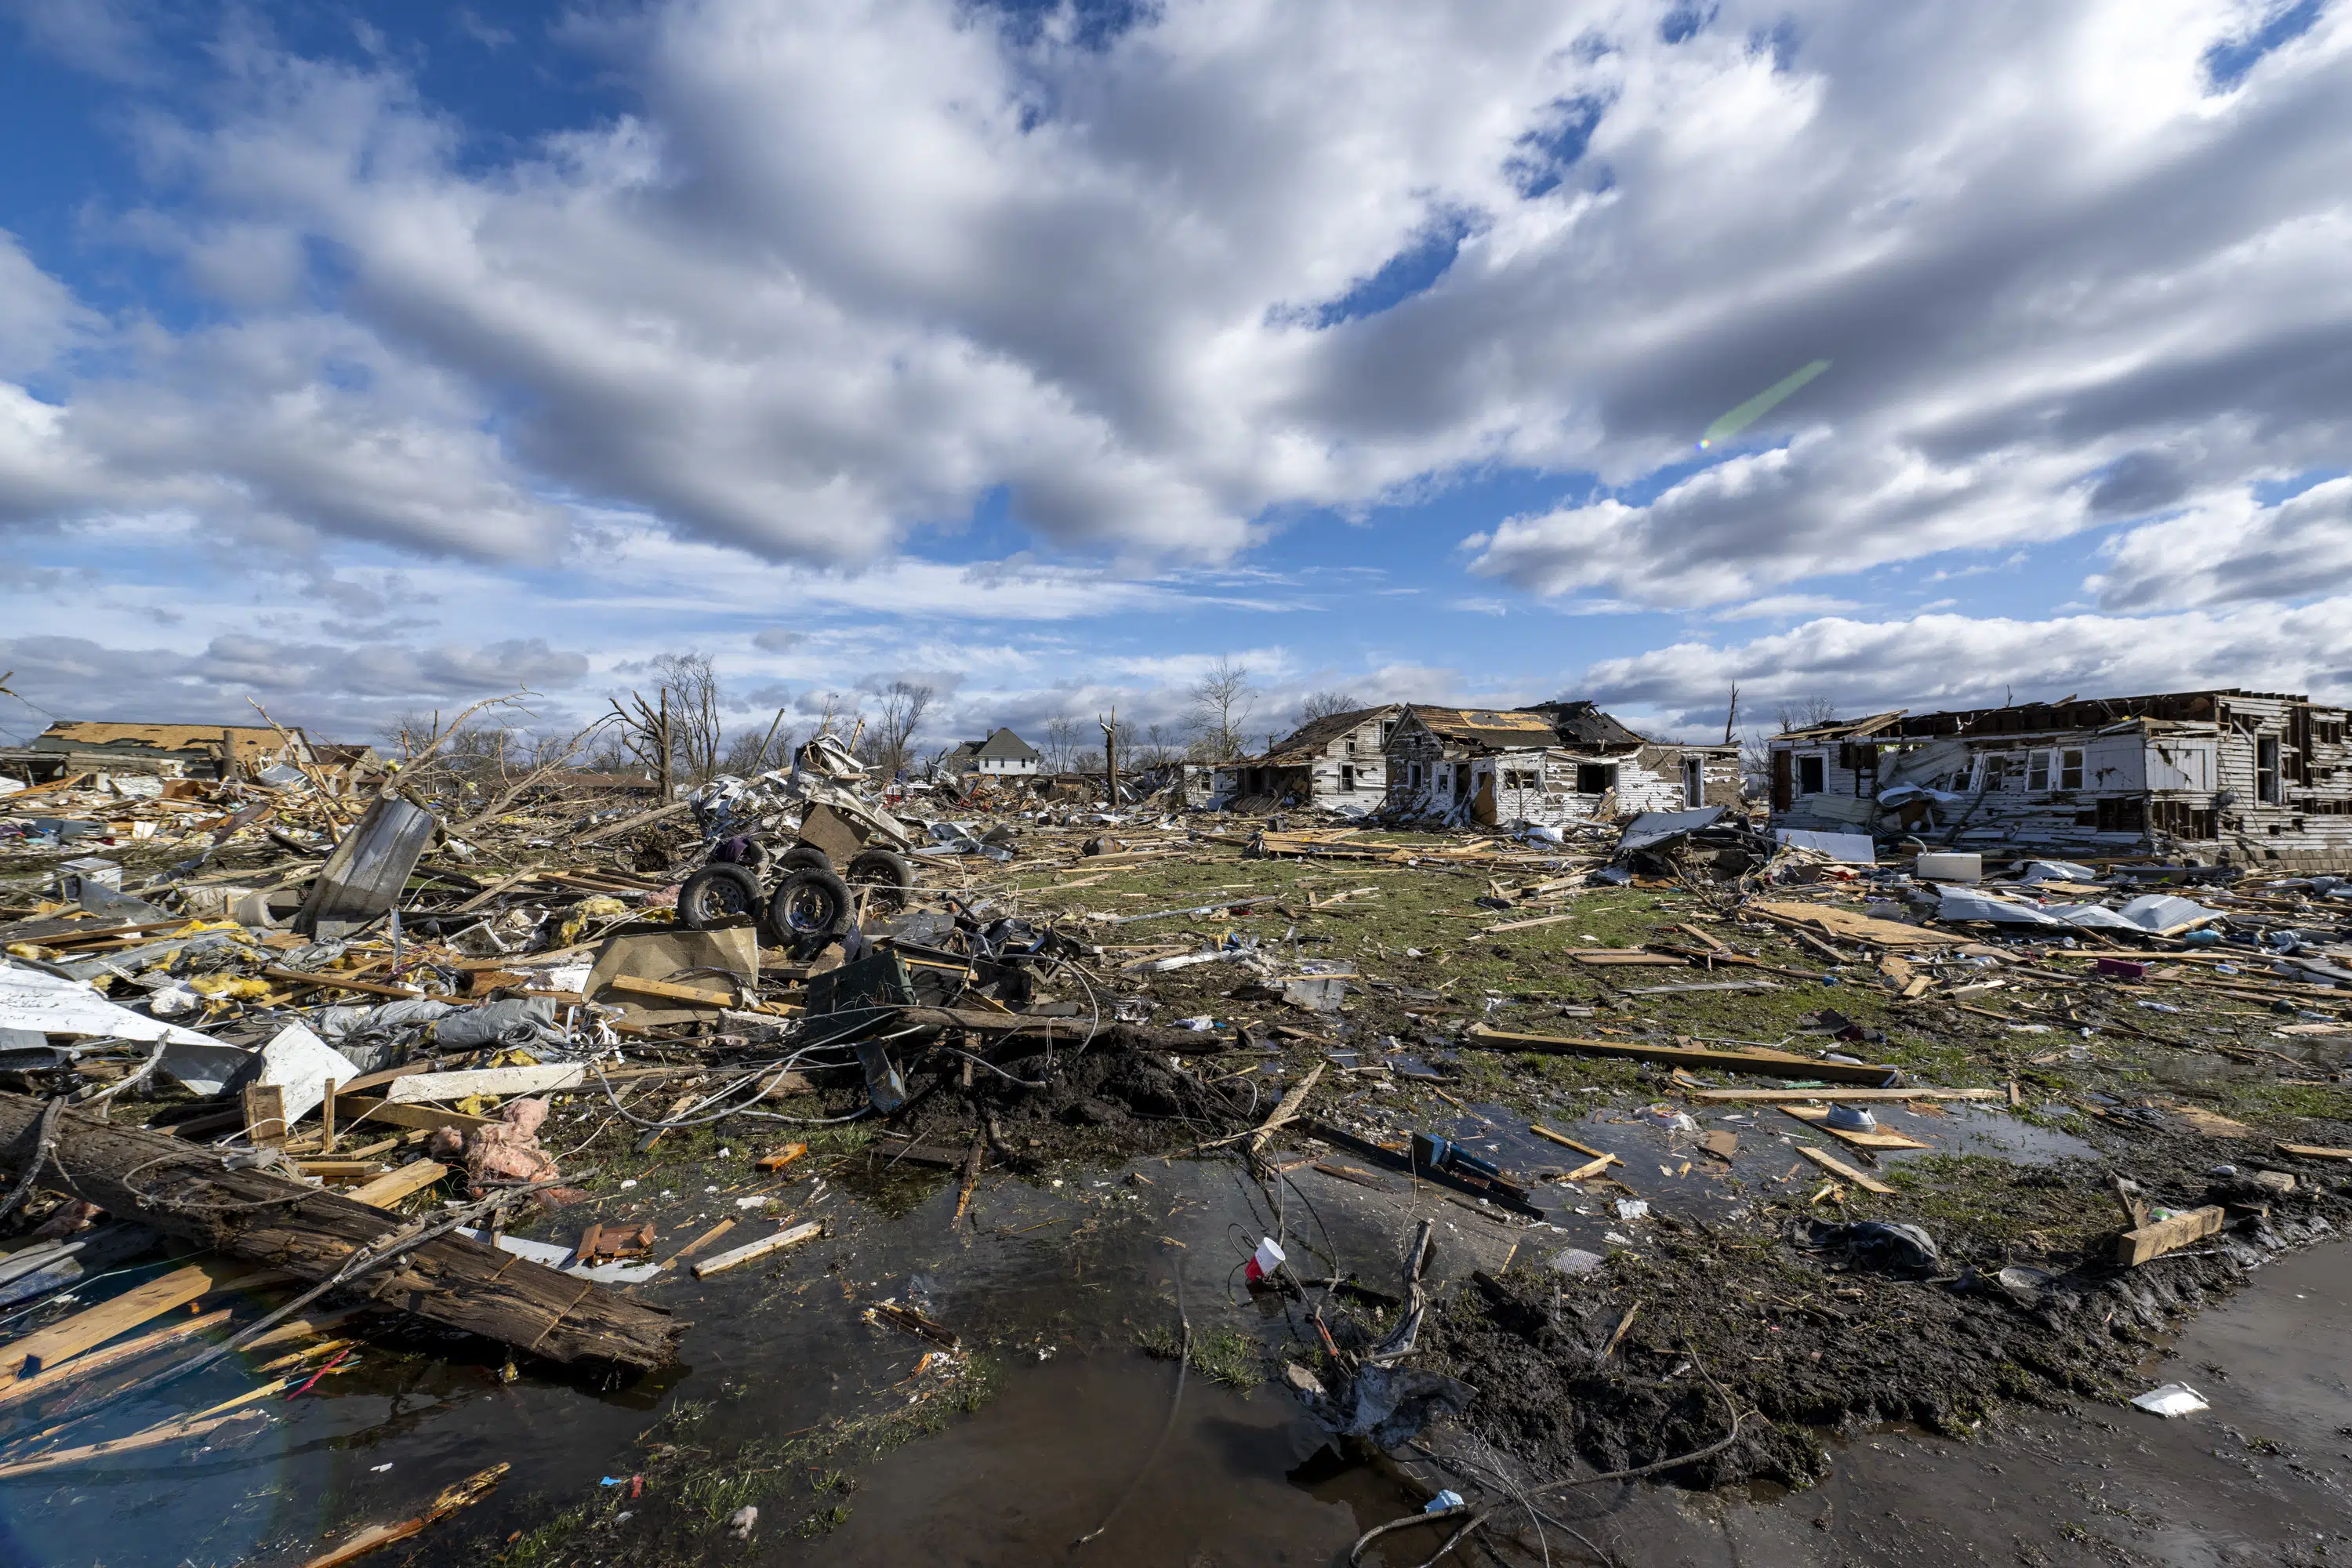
(351, 1112)
(779, 1159)
(2134, 1247)
(539, 1077)
(311, 1234)
(39, 1352)
(1592, 1168)
(1779, 1064)
(153, 1437)
(1284, 1110)
(1854, 927)
(1528, 925)
(465, 1493)
(33, 1385)
(1846, 1094)
(1565, 1142)
(1818, 1119)
(670, 991)
(749, 1252)
(1837, 1167)
(1606, 955)
(614, 829)
(2315, 1151)
(388, 1190)
(338, 983)
(699, 1242)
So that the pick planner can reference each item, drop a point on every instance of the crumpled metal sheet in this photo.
(362, 879)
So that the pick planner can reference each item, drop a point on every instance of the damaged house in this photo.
(2250, 776)
(1554, 763)
(1002, 754)
(1338, 761)
(71, 748)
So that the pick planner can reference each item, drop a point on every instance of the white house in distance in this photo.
(1002, 754)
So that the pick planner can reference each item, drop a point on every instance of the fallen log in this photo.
(310, 1233)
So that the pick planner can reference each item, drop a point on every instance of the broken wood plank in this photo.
(1721, 1143)
(312, 1234)
(2134, 1247)
(153, 1437)
(1779, 1064)
(614, 829)
(1592, 1168)
(33, 1385)
(541, 1077)
(1818, 1119)
(1528, 925)
(265, 1115)
(1604, 957)
(338, 983)
(1854, 927)
(908, 1321)
(388, 1190)
(427, 1117)
(779, 1159)
(670, 991)
(1837, 1167)
(792, 1235)
(465, 1493)
(1563, 1140)
(2315, 1151)
(93, 1326)
(1845, 1094)
(699, 1242)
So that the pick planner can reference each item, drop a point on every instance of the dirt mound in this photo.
(1809, 1347)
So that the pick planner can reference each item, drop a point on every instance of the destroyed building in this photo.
(1555, 763)
(2243, 776)
(70, 748)
(1002, 753)
(1338, 761)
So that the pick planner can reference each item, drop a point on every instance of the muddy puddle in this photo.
(1054, 1289)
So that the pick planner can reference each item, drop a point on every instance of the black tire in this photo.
(805, 855)
(810, 903)
(718, 896)
(883, 876)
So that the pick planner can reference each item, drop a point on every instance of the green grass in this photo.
(1221, 1356)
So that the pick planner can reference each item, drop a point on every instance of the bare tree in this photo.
(1157, 745)
(1804, 713)
(1061, 737)
(691, 684)
(903, 704)
(1324, 704)
(1222, 701)
(750, 750)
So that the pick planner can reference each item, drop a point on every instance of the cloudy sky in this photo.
(367, 357)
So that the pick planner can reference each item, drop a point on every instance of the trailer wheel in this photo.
(718, 896)
(805, 855)
(885, 874)
(809, 902)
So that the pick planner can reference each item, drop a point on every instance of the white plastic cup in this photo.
(1265, 1261)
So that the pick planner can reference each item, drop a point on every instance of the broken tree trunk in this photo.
(310, 1233)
